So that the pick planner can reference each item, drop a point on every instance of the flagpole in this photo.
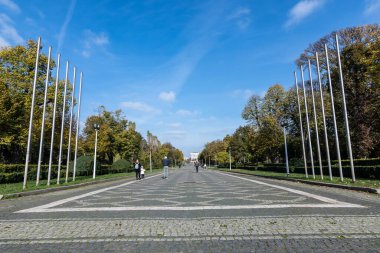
(301, 127)
(345, 111)
(63, 122)
(78, 124)
(333, 115)
(286, 153)
(308, 124)
(70, 127)
(53, 122)
(31, 115)
(43, 119)
(324, 117)
(315, 121)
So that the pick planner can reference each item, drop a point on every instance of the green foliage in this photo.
(360, 63)
(222, 157)
(121, 165)
(85, 166)
(262, 140)
(364, 172)
(17, 66)
(12, 173)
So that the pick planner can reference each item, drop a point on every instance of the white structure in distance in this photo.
(194, 156)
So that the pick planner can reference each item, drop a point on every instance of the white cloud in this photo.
(240, 12)
(62, 32)
(8, 33)
(101, 39)
(183, 112)
(174, 125)
(301, 10)
(3, 42)
(242, 17)
(243, 93)
(167, 96)
(175, 134)
(10, 5)
(93, 39)
(372, 7)
(138, 106)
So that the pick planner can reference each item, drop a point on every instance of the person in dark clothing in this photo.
(196, 164)
(137, 170)
(165, 163)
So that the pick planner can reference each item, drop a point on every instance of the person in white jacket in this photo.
(142, 172)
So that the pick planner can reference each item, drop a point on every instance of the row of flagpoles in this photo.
(308, 129)
(53, 120)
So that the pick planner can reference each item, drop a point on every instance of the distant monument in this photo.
(194, 156)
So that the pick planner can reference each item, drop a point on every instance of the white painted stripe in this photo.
(183, 208)
(176, 239)
(310, 195)
(62, 201)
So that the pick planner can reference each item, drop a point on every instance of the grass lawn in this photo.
(326, 179)
(31, 185)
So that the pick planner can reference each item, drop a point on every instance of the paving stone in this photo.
(272, 230)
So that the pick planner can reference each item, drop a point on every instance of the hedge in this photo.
(365, 172)
(121, 165)
(13, 173)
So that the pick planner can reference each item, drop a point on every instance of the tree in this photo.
(17, 65)
(252, 111)
(360, 63)
(114, 137)
(242, 144)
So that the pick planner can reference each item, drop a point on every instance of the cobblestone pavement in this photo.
(193, 212)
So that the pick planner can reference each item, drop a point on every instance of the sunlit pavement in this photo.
(207, 211)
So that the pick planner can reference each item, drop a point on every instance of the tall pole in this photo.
(301, 127)
(324, 117)
(308, 124)
(53, 127)
(31, 115)
(333, 115)
(345, 111)
(286, 153)
(43, 119)
(70, 128)
(229, 149)
(150, 159)
(63, 122)
(96, 144)
(78, 124)
(315, 121)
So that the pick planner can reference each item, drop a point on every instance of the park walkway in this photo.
(207, 211)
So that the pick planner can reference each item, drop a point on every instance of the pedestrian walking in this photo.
(205, 167)
(165, 163)
(142, 172)
(137, 167)
(196, 164)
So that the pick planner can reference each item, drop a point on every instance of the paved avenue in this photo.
(207, 211)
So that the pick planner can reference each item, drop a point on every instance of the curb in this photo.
(61, 188)
(347, 187)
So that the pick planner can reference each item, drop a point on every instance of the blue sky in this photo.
(181, 69)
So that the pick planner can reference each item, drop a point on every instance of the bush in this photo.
(119, 166)
(85, 166)
(11, 177)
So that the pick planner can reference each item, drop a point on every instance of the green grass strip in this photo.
(31, 185)
(336, 180)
